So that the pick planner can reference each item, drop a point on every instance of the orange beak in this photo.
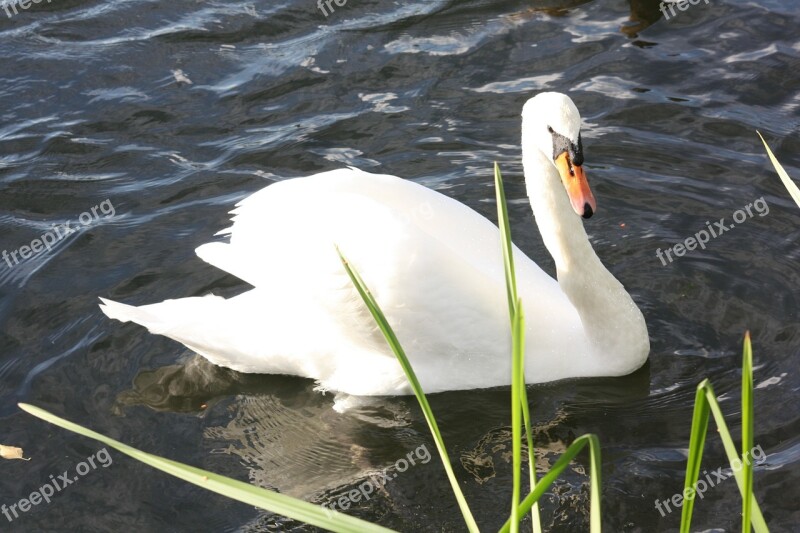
(574, 180)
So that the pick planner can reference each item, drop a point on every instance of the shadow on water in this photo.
(292, 439)
(194, 385)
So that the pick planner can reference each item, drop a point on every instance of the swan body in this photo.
(434, 266)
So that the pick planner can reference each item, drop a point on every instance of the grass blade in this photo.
(705, 402)
(513, 303)
(747, 431)
(237, 490)
(517, 383)
(505, 239)
(730, 450)
(787, 181)
(595, 482)
(697, 442)
(526, 419)
(555, 471)
(394, 344)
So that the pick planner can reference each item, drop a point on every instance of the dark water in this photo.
(97, 105)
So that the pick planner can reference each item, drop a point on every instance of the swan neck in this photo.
(612, 323)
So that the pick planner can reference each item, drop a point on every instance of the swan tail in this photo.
(123, 312)
(165, 318)
(246, 342)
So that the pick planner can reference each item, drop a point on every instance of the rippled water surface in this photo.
(173, 111)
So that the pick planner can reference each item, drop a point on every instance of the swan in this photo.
(434, 266)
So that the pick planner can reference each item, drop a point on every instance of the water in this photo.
(172, 111)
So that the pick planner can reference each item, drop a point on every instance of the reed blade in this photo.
(595, 518)
(787, 181)
(244, 492)
(706, 402)
(747, 432)
(513, 303)
(394, 344)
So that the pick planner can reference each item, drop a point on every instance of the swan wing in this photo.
(433, 264)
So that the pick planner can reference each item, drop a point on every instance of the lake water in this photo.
(164, 114)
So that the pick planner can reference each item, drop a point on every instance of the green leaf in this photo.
(517, 383)
(505, 239)
(511, 292)
(394, 344)
(747, 431)
(555, 471)
(232, 488)
(705, 402)
(733, 457)
(526, 419)
(696, 445)
(787, 182)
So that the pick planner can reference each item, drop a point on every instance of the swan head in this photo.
(551, 124)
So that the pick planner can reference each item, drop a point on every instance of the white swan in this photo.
(434, 266)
